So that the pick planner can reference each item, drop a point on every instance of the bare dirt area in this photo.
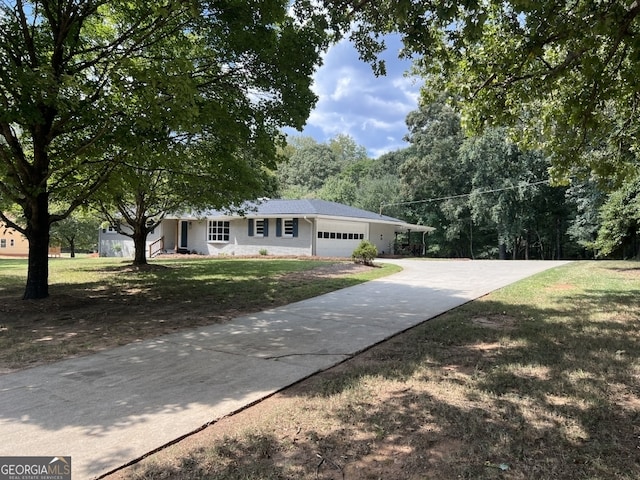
(103, 316)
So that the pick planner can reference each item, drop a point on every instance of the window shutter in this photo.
(266, 227)
(295, 227)
(278, 227)
(251, 227)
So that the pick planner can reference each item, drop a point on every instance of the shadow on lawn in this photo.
(545, 395)
(538, 393)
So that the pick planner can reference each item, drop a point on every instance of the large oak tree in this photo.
(80, 79)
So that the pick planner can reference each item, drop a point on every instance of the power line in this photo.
(513, 187)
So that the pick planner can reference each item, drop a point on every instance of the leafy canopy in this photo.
(81, 81)
(563, 74)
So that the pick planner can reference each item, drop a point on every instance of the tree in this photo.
(79, 79)
(510, 192)
(621, 221)
(432, 173)
(78, 231)
(587, 199)
(162, 177)
(561, 73)
(346, 150)
(311, 166)
(326, 170)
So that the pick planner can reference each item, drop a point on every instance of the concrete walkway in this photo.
(108, 409)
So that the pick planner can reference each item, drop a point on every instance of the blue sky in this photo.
(353, 101)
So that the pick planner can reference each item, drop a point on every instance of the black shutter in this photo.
(251, 227)
(295, 227)
(278, 227)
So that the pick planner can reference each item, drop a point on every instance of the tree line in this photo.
(486, 196)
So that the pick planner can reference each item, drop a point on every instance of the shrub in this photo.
(263, 251)
(365, 253)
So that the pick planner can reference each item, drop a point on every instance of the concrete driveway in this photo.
(108, 409)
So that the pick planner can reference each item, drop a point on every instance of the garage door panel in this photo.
(339, 239)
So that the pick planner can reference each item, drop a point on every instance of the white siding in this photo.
(112, 244)
(383, 236)
(240, 243)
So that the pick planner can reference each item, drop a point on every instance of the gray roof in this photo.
(311, 207)
(318, 207)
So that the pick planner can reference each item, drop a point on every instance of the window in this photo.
(258, 227)
(218, 231)
(288, 227)
(3, 243)
(341, 235)
(12, 243)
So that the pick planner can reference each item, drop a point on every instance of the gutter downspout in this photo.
(313, 236)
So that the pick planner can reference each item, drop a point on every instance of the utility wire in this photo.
(513, 187)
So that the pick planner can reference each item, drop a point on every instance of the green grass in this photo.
(98, 303)
(539, 380)
(185, 279)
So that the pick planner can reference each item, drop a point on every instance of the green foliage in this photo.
(485, 196)
(340, 171)
(365, 253)
(79, 231)
(86, 88)
(308, 167)
(432, 170)
(587, 199)
(522, 210)
(563, 75)
(621, 221)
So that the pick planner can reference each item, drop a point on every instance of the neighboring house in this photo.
(275, 227)
(12, 242)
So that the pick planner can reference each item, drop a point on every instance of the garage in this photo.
(339, 239)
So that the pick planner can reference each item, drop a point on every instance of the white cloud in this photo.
(353, 101)
(342, 89)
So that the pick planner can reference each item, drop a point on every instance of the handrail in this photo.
(156, 247)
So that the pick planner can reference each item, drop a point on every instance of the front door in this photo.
(184, 228)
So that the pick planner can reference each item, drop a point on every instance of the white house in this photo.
(275, 227)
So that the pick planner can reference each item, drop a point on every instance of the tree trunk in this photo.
(502, 251)
(72, 248)
(140, 246)
(559, 254)
(38, 236)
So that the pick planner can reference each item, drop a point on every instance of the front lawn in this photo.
(99, 303)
